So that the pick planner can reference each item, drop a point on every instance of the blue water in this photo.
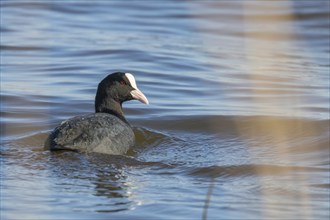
(238, 121)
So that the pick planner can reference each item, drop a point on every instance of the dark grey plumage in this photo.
(98, 132)
(105, 131)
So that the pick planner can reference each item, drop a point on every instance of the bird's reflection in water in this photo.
(112, 185)
(99, 175)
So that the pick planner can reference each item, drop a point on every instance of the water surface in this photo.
(239, 109)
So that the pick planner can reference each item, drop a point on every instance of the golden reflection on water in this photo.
(277, 31)
(268, 32)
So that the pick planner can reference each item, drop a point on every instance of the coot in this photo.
(106, 130)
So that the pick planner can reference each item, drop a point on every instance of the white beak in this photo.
(138, 95)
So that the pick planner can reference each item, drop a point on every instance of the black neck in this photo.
(110, 106)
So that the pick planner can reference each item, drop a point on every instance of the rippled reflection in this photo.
(270, 42)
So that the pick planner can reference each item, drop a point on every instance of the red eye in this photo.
(122, 82)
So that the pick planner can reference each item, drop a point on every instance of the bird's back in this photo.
(98, 132)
